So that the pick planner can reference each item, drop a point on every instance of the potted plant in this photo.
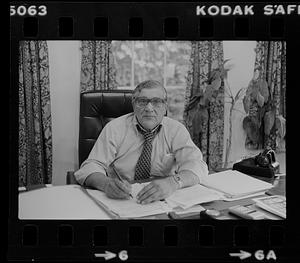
(263, 118)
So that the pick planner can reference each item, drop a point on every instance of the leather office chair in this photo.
(97, 108)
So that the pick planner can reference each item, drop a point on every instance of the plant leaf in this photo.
(246, 120)
(224, 73)
(280, 124)
(251, 129)
(260, 115)
(250, 88)
(269, 121)
(226, 61)
(255, 89)
(246, 103)
(263, 89)
(208, 94)
(260, 99)
(215, 85)
(213, 75)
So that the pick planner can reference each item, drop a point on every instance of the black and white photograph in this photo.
(152, 129)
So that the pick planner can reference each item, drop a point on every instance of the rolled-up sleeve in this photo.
(101, 155)
(188, 156)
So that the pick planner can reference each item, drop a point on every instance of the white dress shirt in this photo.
(121, 143)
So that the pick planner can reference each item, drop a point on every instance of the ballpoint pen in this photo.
(119, 177)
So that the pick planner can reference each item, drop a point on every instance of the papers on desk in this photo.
(182, 201)
(192, 209)
(228, 185)
(128, 208)
(190, 196)
(235, 185)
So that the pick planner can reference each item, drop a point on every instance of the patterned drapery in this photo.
(270, 65)
(97, 66)
(35, 136)
(206, 123)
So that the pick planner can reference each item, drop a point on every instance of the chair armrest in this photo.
(71, 178)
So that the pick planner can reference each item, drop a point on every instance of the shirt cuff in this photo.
(87, 169)
(200, 170)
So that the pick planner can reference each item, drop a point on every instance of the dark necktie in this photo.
(143, 166)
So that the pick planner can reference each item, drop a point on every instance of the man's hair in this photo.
(149, 84)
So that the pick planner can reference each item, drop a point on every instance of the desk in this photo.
(70, 202)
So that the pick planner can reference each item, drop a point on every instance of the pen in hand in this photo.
(119, 177)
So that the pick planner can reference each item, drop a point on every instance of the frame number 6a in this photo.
(260, 255)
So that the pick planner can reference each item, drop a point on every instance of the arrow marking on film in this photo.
(242, 255)
(108, 255)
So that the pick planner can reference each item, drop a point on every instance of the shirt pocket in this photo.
(166, 165)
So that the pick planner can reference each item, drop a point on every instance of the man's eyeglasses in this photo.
(155, 102)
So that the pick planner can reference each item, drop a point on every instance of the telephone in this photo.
(266, 158)
(264, 164)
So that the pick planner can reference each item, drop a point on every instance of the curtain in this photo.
(35, 138)
(205, 120)
(270, 66)
(97, 66)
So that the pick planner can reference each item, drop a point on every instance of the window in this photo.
(165, 61)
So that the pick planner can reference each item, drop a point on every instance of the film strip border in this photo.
(164, 240)
(155, 20)
(140, 240)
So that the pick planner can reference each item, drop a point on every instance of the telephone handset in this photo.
(266, 158)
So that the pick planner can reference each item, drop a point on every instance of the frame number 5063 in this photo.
(32, 10)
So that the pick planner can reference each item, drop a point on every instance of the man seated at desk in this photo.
(143, 145)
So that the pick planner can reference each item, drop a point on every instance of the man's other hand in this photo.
(157, 190)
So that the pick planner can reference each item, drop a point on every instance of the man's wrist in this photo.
(178, 181)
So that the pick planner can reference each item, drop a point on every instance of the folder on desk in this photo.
(234, 184)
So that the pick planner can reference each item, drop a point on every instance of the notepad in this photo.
(234, 184)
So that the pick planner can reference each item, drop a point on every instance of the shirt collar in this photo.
(136, 123)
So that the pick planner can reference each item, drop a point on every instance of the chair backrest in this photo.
(97, 108)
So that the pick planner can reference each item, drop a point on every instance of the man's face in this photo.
(150, 115)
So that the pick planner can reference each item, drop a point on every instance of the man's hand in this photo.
(117, 189)
(157, 190)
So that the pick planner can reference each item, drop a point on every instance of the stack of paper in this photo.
(234, 184)
(128, 208)
(228, 185)
(193, 209)
(190, 196)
